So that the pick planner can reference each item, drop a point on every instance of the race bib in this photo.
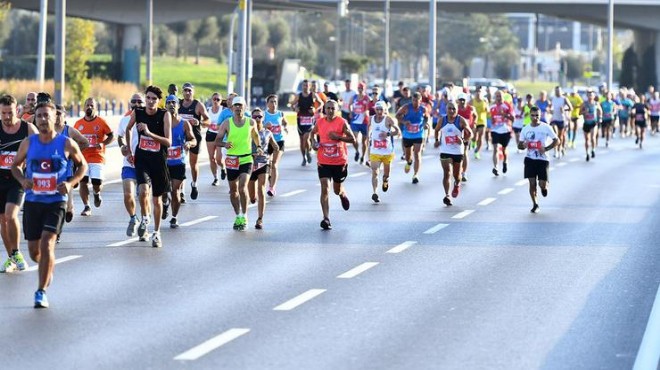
(607, 115)
(380, 144)
(93, 140)
(358, 109)
(306, 121)
(452, 140)
(149, 144)
(275, 129)
(498, 121)
(44, 183)
(174, 153)
(232, 162)
(412, 128)
(588, 117)
(330, 150)
(6, 160)
(534, 145)
(639, 117)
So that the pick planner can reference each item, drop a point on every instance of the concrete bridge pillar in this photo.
(131, 46)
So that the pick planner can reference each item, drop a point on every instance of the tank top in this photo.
(148, 148)
(213, 120)
(543, 107)
(46, 166)
(241, 151)
(189, 113)
(655, 107)
(305, 103)
(466, 113)
(331, 152)
(590, 115)
(176, 154)
(273, 121)
(414, 129)
(380, 146)
(9, 144)
(69, 164)
(608, 110)
(481, 106)
(360, 110)
(261, 160)
(451, 141)
(638, 111)
(518, 117)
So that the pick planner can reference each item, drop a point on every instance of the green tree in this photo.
(180, 29)
(80, 43)
(5, 24)
(278, 33)
(354, 63)
(575, 67)
(628, 68)
(504, 59)
(259, 33)
(450, 68)
(204, 31)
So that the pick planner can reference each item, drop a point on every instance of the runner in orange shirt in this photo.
(99, 134)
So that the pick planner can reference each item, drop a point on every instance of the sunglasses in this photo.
(216, 99)
(257, 117)
(187, 90)
(135, 101)
(535, 115)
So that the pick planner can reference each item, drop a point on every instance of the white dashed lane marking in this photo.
(212, 344)
(506, 191)
(486, 201)
(297, 301)
(463, 214)
(436, 228)
(357, 270)
(35, 267)
(402, 247)
(292, 193)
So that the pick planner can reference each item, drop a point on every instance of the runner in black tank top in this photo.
(194, 112)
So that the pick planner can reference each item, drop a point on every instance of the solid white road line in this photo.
(463, 214)
(436, 228)
(297, 301)
(486, 201)
(292, 193)
(522, 182)
(358, 174)
(402, 247)
(648, 356)
(198, 221)
(357, 270)
(59, 260)
(506, 191)
(211, 344)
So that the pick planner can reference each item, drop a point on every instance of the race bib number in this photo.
(380, 144)
(534, 145)
(358, 109)
(213, 127)
(306, 121)
(174, 153)
(44, 183)
(275, 129)
(149, 144)
(330, 150)
(93, 140)
(231, 162)
(6, 160)
(498, 121)
(588, 117)
(412, 128)
(452, 140)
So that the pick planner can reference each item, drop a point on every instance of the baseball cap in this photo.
(171, 98)
(462, 96)
(238, 100)
(188, 85)
(381, 105)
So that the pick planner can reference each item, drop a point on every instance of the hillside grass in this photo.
(525, 87)
(208, 76)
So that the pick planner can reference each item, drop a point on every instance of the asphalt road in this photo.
(404, 284)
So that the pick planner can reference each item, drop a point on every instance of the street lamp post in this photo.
(610, 44)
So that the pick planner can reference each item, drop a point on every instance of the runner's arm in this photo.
(255, 134)
(75, 155)
(18, 164)
(222, 131)
(129, 127)
(79, 138)
(467, 131)
(191, 141)
(203, 113)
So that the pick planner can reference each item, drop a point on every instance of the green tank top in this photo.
(527, 118)
(241, 140)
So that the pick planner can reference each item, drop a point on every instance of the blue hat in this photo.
(171, 98)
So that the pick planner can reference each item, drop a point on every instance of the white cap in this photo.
(462, 96)
(381, 104)
(238, 100)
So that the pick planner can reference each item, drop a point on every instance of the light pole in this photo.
(433, 16)
(386, 59)
(610, 44)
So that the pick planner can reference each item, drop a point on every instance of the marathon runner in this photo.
(329, 94)
(382, 129)
(623, 109)
(413, 120)
(360, 121)
(641, 114)
(559, 105)
(451, 134)
(12, 132)
(194, 112)
(27, 110)
(332, 157)
(468, 113)
(241, 131)
(304, 104)
(183, 139)
(592, 114)
(346, 97)
(609, 113)
(576, 102)
(99, 135)
(544, 105)
(501, 114)
(275, 122)
(211, 133)
(154, 127)
(480, 105)
(654, 112)
(128, 176)
(40, 167)
(519, 119)
(261, 163)
(534, 138)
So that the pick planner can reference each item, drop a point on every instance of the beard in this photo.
(89, 112)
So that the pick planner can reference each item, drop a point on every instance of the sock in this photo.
(193, 184)
(13, 252)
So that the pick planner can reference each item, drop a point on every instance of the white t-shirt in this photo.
(655, 107)
(536, 137)
(213, 119)
(346, 100)
(121, 131)
(558, 105)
